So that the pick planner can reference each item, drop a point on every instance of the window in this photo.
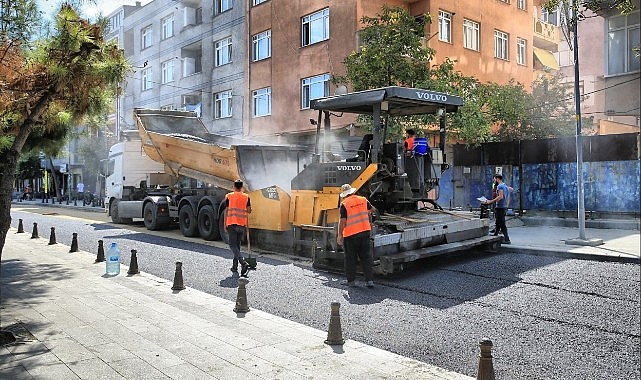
(471, 34)
(262, 102)
(445, 26)
(221, 6)
(222, 104)
(147, 79)
(623, 36)
(553, 17)
(115, 21)
(521, 51)
(147, 37)
(501, 43)
(223, 51)
(521, 4)
(262, 45)
(167, 25)
(167, 70)
(256, 2)
(314, 88)
(315, 27)
(199, 15)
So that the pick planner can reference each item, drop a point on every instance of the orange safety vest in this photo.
(237, 209)
(409, 144)
(357, 215)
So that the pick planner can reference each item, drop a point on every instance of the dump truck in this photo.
(295, 190)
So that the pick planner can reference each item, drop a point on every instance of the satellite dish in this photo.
(340, 90)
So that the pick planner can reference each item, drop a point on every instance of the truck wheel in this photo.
(187, 221)
(207, 224)
(149, 215)
(113, 210)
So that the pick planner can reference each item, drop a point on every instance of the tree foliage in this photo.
(48, 89)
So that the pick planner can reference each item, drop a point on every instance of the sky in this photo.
(50, 7)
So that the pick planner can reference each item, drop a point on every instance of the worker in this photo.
(501, 201)
(238, 208)
(409, 142)
(354, 230)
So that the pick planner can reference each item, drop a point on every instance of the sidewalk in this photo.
(619, 245)
(72, 322)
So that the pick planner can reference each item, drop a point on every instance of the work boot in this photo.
(244, 269)
(369, 284)
(348, 283)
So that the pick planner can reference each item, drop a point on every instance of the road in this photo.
(548, 318)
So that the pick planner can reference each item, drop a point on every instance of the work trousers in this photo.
(236, 234)
(358, 246)
(500, 222)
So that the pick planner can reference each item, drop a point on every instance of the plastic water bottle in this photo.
(113, 260)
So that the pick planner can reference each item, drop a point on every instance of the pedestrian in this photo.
(501, 202)
(238, 208)
(80, 187)
(354, 230)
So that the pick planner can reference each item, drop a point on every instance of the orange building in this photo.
(295, 46)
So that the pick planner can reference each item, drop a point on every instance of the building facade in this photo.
(186, 55)
(251, 67)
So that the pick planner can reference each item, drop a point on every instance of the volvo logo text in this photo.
(348, 167)
(431, 96)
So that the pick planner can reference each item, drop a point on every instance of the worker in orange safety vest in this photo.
(238, 208)
(354, 231)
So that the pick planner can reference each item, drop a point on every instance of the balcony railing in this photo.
(546, 35)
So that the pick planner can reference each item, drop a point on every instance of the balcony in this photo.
(546, 36)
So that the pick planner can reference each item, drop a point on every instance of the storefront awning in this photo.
(546, 58)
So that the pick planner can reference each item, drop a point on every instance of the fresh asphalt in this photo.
(548, 317)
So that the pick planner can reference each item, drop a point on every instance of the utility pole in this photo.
(581, 240)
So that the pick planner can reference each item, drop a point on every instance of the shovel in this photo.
(251, 261)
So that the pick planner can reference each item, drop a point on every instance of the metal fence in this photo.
(544, 176)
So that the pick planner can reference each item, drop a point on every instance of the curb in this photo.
(569, 255)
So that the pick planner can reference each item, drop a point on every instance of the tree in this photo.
(46, 90)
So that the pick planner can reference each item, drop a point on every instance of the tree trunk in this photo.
(7, 176)
(55, 179)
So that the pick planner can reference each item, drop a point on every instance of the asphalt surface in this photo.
(548, 317)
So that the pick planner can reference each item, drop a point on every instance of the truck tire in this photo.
(187, 221)
(208, 224)
(113, 210)
(149, 216)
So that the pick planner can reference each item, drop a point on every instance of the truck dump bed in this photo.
(181, 141)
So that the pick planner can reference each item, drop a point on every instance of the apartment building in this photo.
(251, 67)
(297, 45)
(609, 70)
(187, 55)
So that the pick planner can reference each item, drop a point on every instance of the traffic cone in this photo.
(335, 333)
(486, 368)
(20, 227)
(74, 243)
(52, 237)
(34, 234)
(100, 257)
(178, 277)
(133, 263)
(241, 297)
